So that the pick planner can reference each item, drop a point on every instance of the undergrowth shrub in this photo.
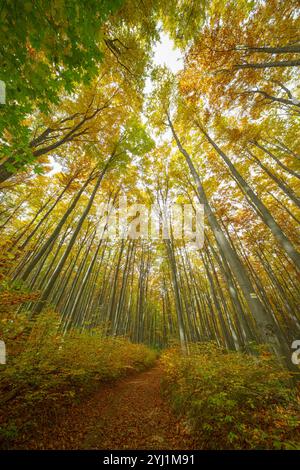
(232, 400)
(52, 371)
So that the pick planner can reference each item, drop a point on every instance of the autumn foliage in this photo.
(52, 371)
(233, 400)
(100, 113)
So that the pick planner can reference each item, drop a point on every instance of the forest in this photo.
(173, 324)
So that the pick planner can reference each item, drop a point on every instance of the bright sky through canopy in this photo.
(165, 53)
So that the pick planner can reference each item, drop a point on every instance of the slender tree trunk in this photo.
(277, 160)
(265, 323)
(40, 305)
(56, 232)
(284, 187)
(266, 65)
(45, 216)
(289, 49)
(258, 205)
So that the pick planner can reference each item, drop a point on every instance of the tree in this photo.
(46, 49)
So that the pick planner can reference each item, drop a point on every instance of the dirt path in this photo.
(130, 414)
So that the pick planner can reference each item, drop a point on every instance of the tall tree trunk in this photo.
(60, 196)
(277, 160)
(44, 297)
(284, 187)
(56, 232)
(265, 323)
(257, 204)
(266, 65)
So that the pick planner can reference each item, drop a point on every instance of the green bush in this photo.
(233, 400)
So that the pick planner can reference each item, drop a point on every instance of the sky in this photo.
(164, 53)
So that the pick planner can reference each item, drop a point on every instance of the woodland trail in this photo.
(130, 414)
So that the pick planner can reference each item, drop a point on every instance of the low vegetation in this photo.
(47, 372)
(232, 400)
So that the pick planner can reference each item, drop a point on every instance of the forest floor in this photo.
(128, 414)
